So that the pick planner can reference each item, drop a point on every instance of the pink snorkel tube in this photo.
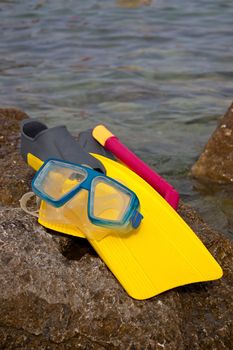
(111, 143)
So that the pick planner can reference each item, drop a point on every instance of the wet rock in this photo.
(14, 176)
(216, 161)
(57, 294)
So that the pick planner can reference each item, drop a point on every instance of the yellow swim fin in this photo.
(161, 254)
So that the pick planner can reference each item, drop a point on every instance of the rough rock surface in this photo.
(216, 161)
(55, 293)
(14, 180)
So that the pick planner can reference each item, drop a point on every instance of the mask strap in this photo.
(24, 201)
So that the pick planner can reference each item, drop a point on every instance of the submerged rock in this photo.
(62, 296)
(216, 161)
(133, 3)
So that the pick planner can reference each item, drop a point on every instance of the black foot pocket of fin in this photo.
(57, 142)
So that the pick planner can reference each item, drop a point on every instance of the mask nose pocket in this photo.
(76, 211)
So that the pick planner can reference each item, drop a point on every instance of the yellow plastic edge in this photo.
(34, 162)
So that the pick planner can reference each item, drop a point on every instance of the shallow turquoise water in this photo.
(159, 76)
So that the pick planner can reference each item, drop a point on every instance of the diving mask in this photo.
(97, 204)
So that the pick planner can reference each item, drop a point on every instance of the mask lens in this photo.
(57, 181)
(109, 200)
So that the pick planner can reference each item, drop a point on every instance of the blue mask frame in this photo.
(131, 215)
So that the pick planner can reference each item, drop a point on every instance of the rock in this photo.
(50, 301)
(75, 303)
(56, 294)
(216, 161)
(15, 179)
